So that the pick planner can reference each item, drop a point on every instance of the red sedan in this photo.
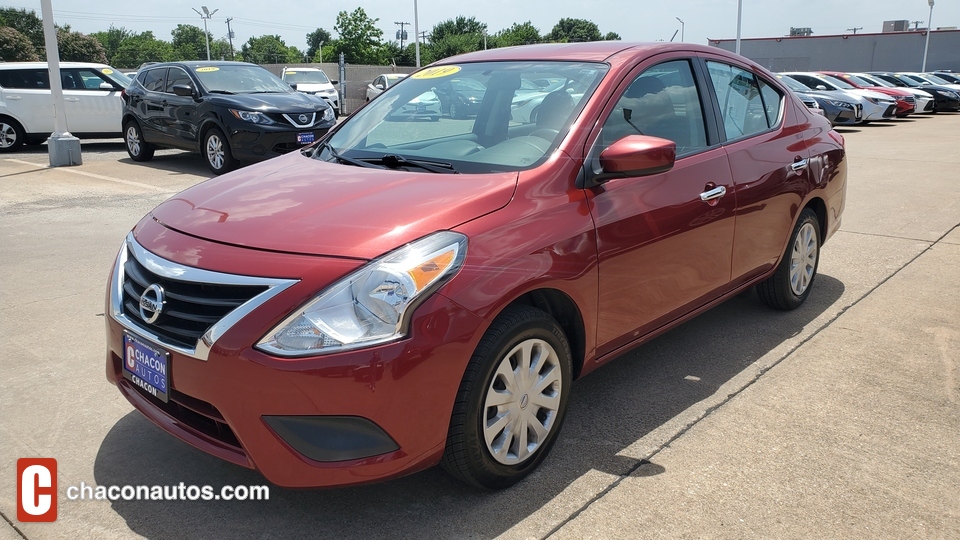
(403, 294)
(906, 103)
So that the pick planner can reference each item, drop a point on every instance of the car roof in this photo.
(44, 65)
(198, 63)
(593, 51)
(301, 69)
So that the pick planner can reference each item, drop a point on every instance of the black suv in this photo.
(228, 111)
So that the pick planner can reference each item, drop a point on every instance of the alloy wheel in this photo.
(803, 259)
(215, 152)
(8, 135)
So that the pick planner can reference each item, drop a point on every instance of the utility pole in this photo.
(401, 34)
(230, 37)
(916, 24)
(854, 30)
(207, 14)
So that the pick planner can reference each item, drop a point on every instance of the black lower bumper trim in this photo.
(332, 438)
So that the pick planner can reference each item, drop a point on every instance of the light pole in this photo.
(926, 45)
(207, 14)
(681, 28)
(416, 31)
(739, 13)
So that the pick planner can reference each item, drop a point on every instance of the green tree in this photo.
(359, 37)
(111, 39)
(28, 24)
(459, 26)
(78, 47)
(219, 50)
(612, 36)
(315, 41)
(518, 34)
(190, 43)
(574, 30)
(141, 48)
(269, 49)
(16, 47)
(455, 36)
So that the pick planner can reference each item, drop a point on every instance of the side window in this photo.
(88, 79)
(177, 76)
(380, 81)
(32, 79)
(662, 102)
(152, 79)
(772, 102)
(741, 104)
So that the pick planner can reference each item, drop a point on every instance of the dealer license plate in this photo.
(146, 367)
(305, 138)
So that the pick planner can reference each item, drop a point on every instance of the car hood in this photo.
(272, 102)
(295, 204)
(870, 94)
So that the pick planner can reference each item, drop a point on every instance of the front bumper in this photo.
(250, 142)
(338, 419)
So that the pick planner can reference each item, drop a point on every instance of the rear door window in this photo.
(26, 79)
(152, 79)
(743, 101)
(177, 76)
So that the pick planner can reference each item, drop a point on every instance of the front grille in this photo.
(190, 308)
(928, 106)
(909, 99)
(890, 110)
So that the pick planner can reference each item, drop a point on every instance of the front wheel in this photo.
(790, 285)
(511, 401)
(216, 152)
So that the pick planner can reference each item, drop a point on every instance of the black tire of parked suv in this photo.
(216, 152)
(137, 148)
(11, 134)
(518, 335)
(790, 285)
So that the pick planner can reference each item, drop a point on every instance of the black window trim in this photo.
(718, 114)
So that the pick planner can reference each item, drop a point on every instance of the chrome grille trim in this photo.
(172, 270)
(290, 118)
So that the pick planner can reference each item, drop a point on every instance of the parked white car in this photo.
(382, 82)
(923, 100)
(91, 93)
(313, 81)
(876, 106)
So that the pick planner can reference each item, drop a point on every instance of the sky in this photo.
(633, 20)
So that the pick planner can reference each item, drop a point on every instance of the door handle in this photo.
(13, 98)
(799, 165)
(71, 99)
(712, 194)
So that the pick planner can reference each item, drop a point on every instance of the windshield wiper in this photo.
(346, 160)
(395, 161)
(223, 92)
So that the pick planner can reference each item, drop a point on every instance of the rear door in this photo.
(665, 240)
(148, 100)
(26, 97)
(769, 160)
(179, 112)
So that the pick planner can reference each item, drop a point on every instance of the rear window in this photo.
(31, 79)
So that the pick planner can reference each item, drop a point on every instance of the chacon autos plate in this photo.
(146, 367)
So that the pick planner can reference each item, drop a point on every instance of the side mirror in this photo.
(821, 87)
(183, 90)
(636, 155)
(334, 82)
(107, 86)
(379, 87)
(293, 85)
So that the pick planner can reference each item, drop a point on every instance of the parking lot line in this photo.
(98, 176)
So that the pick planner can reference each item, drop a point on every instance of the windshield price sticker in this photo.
(436, 72)
(207, 69)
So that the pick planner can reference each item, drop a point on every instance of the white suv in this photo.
(313, 81)
(91, 93)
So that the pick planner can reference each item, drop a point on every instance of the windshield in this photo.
(839, 83)
(116, 77)
(858, 80)
(240, 79)
(793, 84)
(935, 79)
(305, 77)
(911, 78)
(473, 117)
(876, 81)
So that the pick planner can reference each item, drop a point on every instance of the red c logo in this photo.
(37, 489)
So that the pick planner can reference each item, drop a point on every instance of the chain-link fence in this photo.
(356, 80)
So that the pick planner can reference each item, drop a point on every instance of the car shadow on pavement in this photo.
(610, 410)
(178, 161)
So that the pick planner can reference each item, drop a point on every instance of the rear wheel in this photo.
(511, 401)
(790, 285)
(216, 152)
(137, 148)
(11, 135)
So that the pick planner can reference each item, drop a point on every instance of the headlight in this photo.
(327, 114)
(875, 101)
(252, 116)
(373, 304)
(947, 93)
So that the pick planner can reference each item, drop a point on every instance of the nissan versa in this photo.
(402, 293)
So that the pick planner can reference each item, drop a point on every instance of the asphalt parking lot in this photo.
(838, 420)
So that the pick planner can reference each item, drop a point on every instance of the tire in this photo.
(455, 111)
(11, 135)
(137, 148)
(489, 421)
(216, 152)
(790, 285)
